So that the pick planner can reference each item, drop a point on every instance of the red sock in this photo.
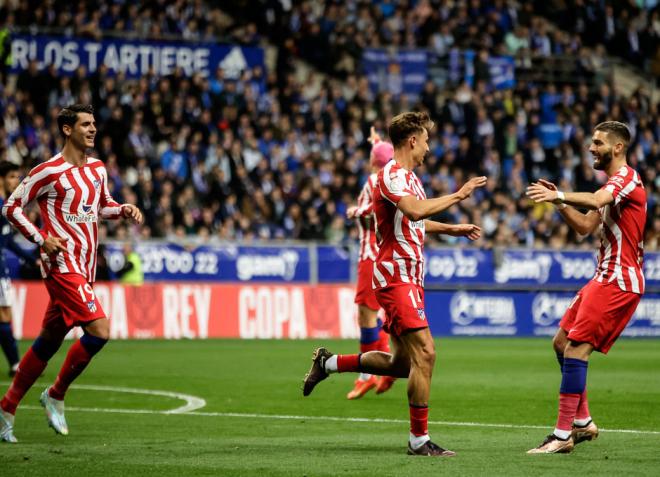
(348, 363)
(29, 369)
(419, 420)
(568, 404)
(383, 341)
(76, 361)
(583, 407)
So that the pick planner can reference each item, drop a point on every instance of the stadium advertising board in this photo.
(520, 268)
(133, 58)
(165, 262)
(445, 267)
(265, 311)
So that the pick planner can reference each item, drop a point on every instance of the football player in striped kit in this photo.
(71, 190)
(402, 217)
(603, 307)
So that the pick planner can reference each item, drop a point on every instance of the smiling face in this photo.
(83, 132)
(602, 150)
(420, 146)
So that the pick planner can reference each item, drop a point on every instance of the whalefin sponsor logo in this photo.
(85, 216)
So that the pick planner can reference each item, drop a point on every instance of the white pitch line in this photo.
(335, 419)
(192, 403)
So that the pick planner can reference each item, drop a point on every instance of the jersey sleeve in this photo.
(109, 208)
(32, 187)
(366, 203)
(621, 184)
(394, 185)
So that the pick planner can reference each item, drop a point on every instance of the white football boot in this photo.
(54, 413)
(7, 427)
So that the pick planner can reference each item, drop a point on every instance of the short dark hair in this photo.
(69, 115)
(6, 167)
(405, 125)
(619, 130)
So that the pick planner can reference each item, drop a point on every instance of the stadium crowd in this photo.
(268, 157)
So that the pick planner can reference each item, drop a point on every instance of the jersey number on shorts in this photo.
(414, 301)
(88, 289)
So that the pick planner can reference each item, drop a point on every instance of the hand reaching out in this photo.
(542, 191)
(470, 185)
(471, 231)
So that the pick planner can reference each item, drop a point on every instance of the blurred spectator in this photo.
(266, 156)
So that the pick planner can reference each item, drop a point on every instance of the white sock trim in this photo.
(582, 422)
(331, 364)
(562, 434)
(418, 441)
(364, 376)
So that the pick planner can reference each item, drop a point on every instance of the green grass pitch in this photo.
(488, 397)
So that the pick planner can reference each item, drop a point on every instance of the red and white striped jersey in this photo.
(366, 221)
(621, 253)
(71, 200)
(400, 240)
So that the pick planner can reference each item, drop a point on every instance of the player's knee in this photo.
(559, 344)
(45, 348)
(93, 344)
(425, 357)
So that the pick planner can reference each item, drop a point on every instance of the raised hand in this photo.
(374, 137)
(542, 191)
(470, 185)
(350, 212)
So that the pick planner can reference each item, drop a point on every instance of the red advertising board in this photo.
(198, 310)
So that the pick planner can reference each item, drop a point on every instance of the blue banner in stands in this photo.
(518, 313)
(132, 57)
(396, 72)
(502, 72)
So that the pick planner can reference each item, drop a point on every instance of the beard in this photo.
(603, 161)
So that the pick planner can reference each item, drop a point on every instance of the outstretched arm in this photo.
(584, 224)
(471, 231)
(416, 209)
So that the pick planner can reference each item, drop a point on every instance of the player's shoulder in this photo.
(54, 164)
(95, 162)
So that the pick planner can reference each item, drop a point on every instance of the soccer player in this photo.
(402, 212)
(603, 307)
(9, 179)
(71, 190)
(372, 336)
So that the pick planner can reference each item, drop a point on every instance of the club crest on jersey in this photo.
(85, 217)
(97, 183)
(92, 306)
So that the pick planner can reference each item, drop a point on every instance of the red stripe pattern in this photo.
(71, 199)
(621, 253)
(366, 221)
(400, 240)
